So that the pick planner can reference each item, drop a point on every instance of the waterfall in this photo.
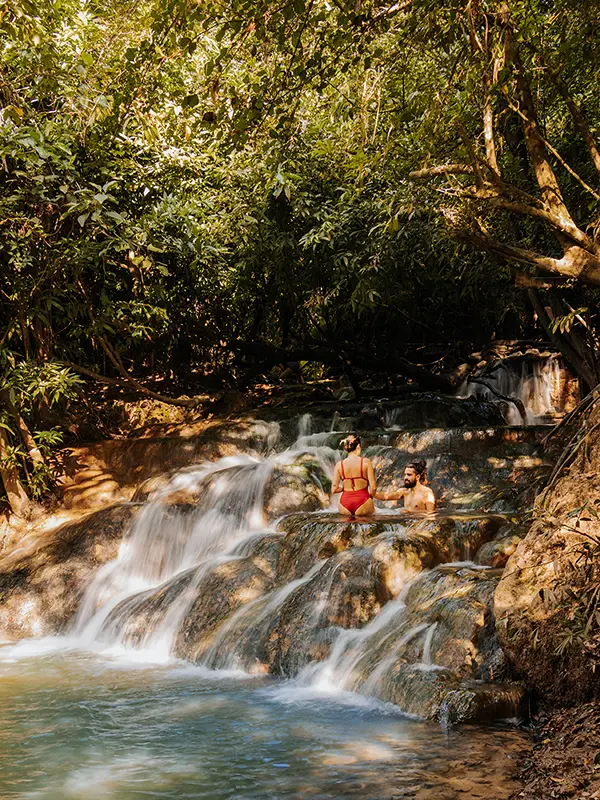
(250, 620)
(203, 517)
(535, 384)
(166, 540)
(384, 607)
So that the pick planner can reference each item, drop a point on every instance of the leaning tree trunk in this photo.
(17, 496)
(28, 441)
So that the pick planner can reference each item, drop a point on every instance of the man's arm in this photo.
(335, 481)
(397, 495)
(430, 501)
(371, 479)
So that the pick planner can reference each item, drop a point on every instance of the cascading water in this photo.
(166, 540)
(242, 567)
(209, 521)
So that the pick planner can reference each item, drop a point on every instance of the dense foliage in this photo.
(201, 190)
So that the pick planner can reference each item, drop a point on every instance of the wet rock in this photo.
(264, 549)
(428, 410)
(42, 581)
(487, 482)
(295, 625)
(216, 596)
(192, 604)
(447, 621)
(365, 565)
(405, 544)
(301, 485)
(497, 553)
(468, 442)
(481, 702)
(440, 695)
(436, 641)
(138, 618)
(310, 539)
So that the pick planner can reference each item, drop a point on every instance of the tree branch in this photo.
(132, 383)
(515, 400)
(270, 355)
(18, 500)
(444, 169)
(488, 129)
(32, 449)
(555, 153)
(575, 263)
(564, 226)
(538, 154)
(574, 110)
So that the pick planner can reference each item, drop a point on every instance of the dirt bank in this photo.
(564, 761)
(546, 603)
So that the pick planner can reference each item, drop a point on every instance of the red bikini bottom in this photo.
(352, 501)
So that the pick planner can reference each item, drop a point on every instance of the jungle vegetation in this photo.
(194, 191)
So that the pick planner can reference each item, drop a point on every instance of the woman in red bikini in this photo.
(357, 479)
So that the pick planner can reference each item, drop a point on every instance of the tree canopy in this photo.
(202, 190)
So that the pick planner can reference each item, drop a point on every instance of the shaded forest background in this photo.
(193, 193)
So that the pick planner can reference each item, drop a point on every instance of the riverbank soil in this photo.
(564, 761)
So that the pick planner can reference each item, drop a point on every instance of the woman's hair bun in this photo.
(350, 443)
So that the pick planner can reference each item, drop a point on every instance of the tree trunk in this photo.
(17, 496)
(267, 355)
(24, 432)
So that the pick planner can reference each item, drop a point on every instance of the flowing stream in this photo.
(247, 642)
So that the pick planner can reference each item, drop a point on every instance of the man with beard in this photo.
(418, 497)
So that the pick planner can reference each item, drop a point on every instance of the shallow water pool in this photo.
(98, 725)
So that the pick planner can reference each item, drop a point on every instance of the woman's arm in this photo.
(371, 478)
(335, 481)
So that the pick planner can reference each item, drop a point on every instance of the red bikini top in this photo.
(360, 477)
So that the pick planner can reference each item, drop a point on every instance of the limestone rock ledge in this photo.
(43, 579)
